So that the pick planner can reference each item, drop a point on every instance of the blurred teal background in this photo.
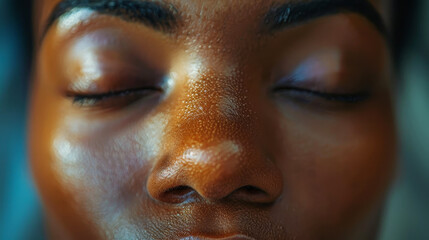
(407, 212)
(407, 215)
(20, 212)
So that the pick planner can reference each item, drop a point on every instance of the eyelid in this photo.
(104, 60)
(330, 74)
(312, 69)
(83, 99)
(111, 93)
(330, 96)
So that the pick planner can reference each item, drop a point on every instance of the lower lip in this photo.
(234, 237)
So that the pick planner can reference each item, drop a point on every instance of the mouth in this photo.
(232, 237)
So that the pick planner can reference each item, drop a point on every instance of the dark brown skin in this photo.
(215, 151)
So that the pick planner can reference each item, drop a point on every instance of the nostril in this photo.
(251, 194)
(177, 194)
(179, 191)
(251, 190)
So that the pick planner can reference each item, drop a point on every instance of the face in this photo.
(211, 119)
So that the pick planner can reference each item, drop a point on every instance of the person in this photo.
(260, 119)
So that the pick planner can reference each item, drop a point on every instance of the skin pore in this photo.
(262, 119)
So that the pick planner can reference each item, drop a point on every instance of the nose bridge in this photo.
(213, 107)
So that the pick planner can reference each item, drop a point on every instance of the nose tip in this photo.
(215, 173)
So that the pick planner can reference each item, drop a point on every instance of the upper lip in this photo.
(217, 220)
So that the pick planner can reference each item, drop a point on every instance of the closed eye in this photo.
(112, 98)
(335, 97)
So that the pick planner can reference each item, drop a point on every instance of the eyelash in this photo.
(93, 99)
(334, 97)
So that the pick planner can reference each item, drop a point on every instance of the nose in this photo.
(215, 173)
(214, 150)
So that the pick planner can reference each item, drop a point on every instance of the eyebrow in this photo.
(294, 13)
(153, 14)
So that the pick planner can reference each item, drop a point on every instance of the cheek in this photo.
(336, 166)
(92, 169)
(98, 172)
